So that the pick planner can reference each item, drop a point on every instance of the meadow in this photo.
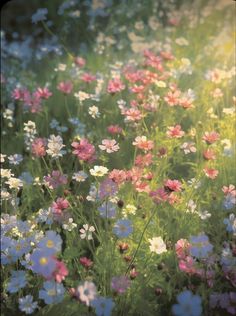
(118, 158)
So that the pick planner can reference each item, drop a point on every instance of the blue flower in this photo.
(52, 292)
(189, 305)
(17, 281)
(231, 224)
(108, 210)
(229, 202)
(200, 246)
(42, 263)
(26, 177)
(51, 243)
(123, 228)
(27, 305)
(40, 15)
(103, 306)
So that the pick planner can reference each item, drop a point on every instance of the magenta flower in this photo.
(120, 284)
(115, 85)
(55, 179)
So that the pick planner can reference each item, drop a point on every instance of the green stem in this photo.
(140, 241)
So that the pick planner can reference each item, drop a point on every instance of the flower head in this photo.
(123, 228)
(86, 292)
(188, 305)
(120, 283)
(157, 245)
(27, 305)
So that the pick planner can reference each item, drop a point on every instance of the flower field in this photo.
(118, 158)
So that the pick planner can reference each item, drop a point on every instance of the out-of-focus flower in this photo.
(188, 304)
(94, 111)
(211, 173)
(103, 306)
(188, 148)
(55, 145)
(15, 159)
(107, 188)
(65, 86)
(40, 15)
(231, 224)
(175, 132)
(115, 85)
(141, 142)
(120, 284)
(210, 137)
(84, 150)
(200, 246)
(17, 281)
(55, 179)
(80, 176)
(38, 147)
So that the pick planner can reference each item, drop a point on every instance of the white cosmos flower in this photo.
(157, 245)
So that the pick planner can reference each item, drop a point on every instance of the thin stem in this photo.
(140, 241)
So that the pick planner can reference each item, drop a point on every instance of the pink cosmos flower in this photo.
(65, 86)
(115, 85)
(84, 150)
(86, 77)
(20, 94)
(60, 205)
(79, 61)
(144, 160)
(118, 176)
(175, 132)
(61, 271)
(38, 147)
(141, 142)
(172, 97)
(141, 186)
(173, 185)
(186, 102)
(109, 145)
(209, 154)
(43, 93)
(34, 102)
(137, 89)
(55, 179)
(159, 195)
(133, 115)
(182, 248)
(211, 173)
(120, 284)
(210, 137)
(114, 129)
(187, 265)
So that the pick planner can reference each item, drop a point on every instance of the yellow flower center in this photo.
(43, 261)
(50, 244)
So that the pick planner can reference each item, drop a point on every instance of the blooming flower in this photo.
(173, 185)
(103, 306)
(84, 150)
(27, 305)
(40, 15)
(210, 137)
(14, 183)
(188, 305)
(157, 245)
(211, 173)
(115, 85)
(94, 111)
(175, 132)
(17, 281)
(55, 179)
(80, 176)
(55, 145)
(52, 292)
(86, 232)
(70, 225)
(98, 171)
(107, 188)
(38, 147)
(15, 159)
(109, 145)
(123, 228)
(200, 246)
(86, 292)
(120, 284)
(42, 263)
(51, 243)
(129, 209)
(66, 87)
(142, 143)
